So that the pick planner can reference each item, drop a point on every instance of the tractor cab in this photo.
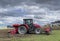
(29, 22)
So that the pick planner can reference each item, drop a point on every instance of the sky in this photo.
(41, 11)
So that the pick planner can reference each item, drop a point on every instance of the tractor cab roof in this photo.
(27, 19)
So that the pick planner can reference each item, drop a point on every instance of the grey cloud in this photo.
(5, 3)
(9, 2)
(50, 4)
(53, 3)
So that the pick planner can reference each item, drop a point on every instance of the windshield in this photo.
(28, 22)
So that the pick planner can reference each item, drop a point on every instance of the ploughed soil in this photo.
(3, 32)
(5, 36)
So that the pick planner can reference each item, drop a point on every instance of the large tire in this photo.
(38, 31)
(22, 30)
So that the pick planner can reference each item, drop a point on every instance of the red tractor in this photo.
(29, 26)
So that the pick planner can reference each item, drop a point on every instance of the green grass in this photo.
(55, 36)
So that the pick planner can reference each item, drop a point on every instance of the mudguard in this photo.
(27, 27)
(37, 26)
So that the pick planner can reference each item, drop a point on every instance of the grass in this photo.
(55, 36)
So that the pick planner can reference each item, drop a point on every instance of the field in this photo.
(55, 36)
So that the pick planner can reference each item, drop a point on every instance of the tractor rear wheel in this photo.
(38, 31)
(22, 30)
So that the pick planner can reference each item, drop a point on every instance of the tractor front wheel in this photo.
(22, 30)
(37, 31)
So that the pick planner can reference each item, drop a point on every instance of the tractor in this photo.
(28, 26)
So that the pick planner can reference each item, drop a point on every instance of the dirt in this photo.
(4, 36)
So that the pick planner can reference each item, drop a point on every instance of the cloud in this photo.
(11, 20)
(41, 11)
(25, 8)
(1, 22)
